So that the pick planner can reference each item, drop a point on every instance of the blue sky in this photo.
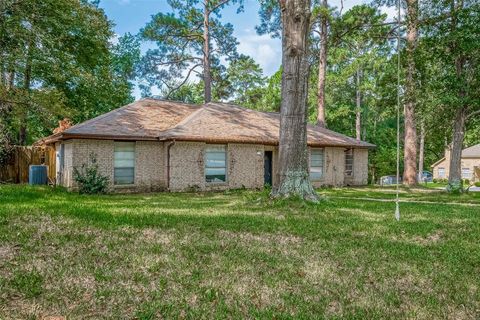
(131, 15)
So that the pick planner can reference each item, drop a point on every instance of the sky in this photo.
(131, 15)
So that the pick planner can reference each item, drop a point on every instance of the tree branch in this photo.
(172, 90)
(474, 113)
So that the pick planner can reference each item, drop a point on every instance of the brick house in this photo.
(470, 164)
(154, 145)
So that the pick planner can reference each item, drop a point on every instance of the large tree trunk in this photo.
(207, 77)
(358, 109)
(455, 170)
(322, 68)
(410, 147)
(293, 154)
(421, 152)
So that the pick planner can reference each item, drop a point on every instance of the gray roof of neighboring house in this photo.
(471, 152)
(154, 119)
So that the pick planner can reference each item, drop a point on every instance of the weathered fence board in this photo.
(16, 168)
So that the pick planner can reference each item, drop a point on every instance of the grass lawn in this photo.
(238, 255)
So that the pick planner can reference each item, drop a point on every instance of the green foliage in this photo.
(455, 187)
(57, 61)
(246, 81)
(5, 146)
(179, 52)
(89, 179)
(477, 184)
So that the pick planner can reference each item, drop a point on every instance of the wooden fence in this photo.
(16, 168)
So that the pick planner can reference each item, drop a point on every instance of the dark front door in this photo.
(267, 176)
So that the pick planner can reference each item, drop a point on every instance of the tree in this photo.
(410, 145)
(322, 64)
(451, 29)
(56, 61)
(187, 40)
(246, 81)
(293, 154)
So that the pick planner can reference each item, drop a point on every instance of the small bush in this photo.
(90, 181)
(455, 187)
(477, 184)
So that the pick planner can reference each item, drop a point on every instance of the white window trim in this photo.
(444, 173)
(127, 185)
(353, 163)
(205, 164)
(323, 164)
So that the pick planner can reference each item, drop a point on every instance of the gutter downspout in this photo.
(171, 144)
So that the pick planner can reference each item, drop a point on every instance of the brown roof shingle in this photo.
(153, 119)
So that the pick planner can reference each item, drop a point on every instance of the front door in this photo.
(267, 163)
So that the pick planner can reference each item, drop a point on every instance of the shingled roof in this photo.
(154, 119)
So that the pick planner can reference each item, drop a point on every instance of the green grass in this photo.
(238, 255)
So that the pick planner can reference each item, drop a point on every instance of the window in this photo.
(215, 164)
(124, 163)
(316, 164)
(349, 162)
(466, 173)
(441, 173)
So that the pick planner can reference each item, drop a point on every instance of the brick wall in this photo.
(245, 165)
(360, 167)
(150, 166)
(187, 167)
(149, 163)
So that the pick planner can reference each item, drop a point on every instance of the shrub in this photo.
(6, 149)
(90, 181)
(477, 184)
(455, 187)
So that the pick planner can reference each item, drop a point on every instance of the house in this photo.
(470, 164)
(153, 145)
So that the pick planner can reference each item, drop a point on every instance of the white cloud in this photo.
(267, 52)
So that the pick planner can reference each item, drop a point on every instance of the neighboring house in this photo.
(470, 164)
(152, 145)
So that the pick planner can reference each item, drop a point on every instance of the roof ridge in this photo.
(187, 119)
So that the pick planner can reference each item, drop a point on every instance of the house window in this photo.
(124, 163)
(349, 162)
(215, 164)
(316, 164)
(466, 173)
(441, 173)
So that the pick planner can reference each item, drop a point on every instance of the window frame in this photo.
(115, 183)
(352, 171)
(443, 174)
(205, 160)
(312, 150)
(469, 173)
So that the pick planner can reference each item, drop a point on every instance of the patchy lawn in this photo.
(238, 255)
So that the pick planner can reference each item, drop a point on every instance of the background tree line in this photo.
(55, 65)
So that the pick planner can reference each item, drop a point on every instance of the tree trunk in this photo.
(22, 132)
(207, 77)
(322, 68)
(421, 153)
(410, 146)
(293, 154)
(455, 170)
(358, 109)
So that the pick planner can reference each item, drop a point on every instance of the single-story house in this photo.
(470, 164)
(153, 145)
